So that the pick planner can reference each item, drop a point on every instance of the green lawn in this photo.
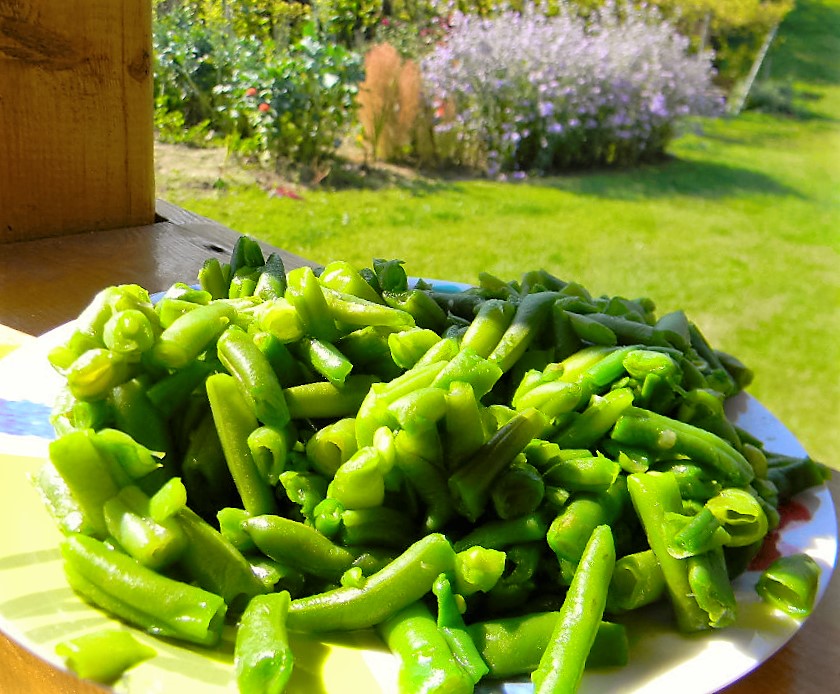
(741, 228)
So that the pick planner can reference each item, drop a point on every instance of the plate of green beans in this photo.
(345, 479)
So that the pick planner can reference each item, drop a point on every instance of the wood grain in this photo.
(46, 282)
(76, 116)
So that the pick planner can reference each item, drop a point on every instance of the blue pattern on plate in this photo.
(24, 418)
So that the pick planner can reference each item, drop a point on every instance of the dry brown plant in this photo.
(389, 102)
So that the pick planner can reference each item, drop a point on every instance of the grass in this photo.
(740, 227)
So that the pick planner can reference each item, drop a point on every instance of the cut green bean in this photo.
(637, 581)
(140, 596)
(654, 494)
(791, 584)
(235, 421)
(263, 659)
(404, 581)
(103, 656)
(426, 662)
(562, 663)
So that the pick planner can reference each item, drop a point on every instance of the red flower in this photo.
(283, 192)
(263, 107)
(251, 91)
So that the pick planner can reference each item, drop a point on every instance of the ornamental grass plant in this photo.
(541, 91)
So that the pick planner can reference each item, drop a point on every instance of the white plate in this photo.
(38, 609)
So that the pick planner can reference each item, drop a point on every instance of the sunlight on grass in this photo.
(740, 228)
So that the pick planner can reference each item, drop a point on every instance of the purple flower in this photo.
(658, 106)
(626, 76)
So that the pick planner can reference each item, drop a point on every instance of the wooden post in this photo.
(76, 116)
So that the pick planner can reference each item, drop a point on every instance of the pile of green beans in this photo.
(489, 478)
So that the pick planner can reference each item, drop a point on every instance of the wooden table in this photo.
(46, 282)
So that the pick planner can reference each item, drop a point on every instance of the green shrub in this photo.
(289, 104)
(294, 106)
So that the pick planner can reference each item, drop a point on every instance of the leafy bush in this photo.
(290, 104)
(295, 106)
(191, 58)
(734, 28)
(526, 91)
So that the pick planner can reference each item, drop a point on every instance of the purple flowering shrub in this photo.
(524, 91)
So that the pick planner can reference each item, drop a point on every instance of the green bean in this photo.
(298, 545)
(637, 581)
(427, 479)
(280, 318)
(693, 535)
(584, 474)
(471, 483)
(153, 543)
(135, 415)
(255, 376)
(512, 646)
(269, 448)
(205, 472)
(343, 277)
(421, 409)
(426, 661)
(518, 492)
(405, 580)
(305, 490)
(235, 420)
(307, 296)
(60, 502)
(791, 584)
(360, 481)
(450, 622)
(408, 346)
(87, 474)
(323, 400)
(190, 334)
(695, 482)
(498, 534)
(212, 562)
(664, 435)
(95, 372)
(379, 526)
(592, 331)
(423, 309)
(142, 597)
(531, 316)
(263, 659)
(741, 516)
(469, 367)
(571, 528)
(463, 424)
(711, 587)
(104, 655)
(332, 445)
(654, 494)
(562, 663)
(478, 569)
(490, 323)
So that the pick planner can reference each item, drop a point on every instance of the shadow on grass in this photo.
(808, 47)
(671, 177)
(668, 177)
(349, 175)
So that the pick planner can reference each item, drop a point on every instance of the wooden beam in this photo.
(76, 116)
